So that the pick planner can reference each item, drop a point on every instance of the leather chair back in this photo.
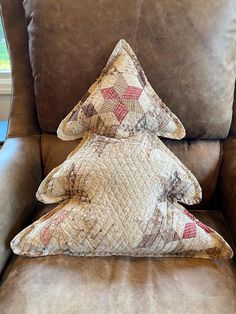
(186, 47)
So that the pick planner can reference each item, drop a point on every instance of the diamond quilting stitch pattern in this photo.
(123, 215)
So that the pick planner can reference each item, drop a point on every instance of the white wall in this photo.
(4, 106)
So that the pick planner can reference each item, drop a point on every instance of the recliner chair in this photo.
(57, 49)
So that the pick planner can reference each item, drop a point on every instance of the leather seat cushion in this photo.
(201, 157)
(65, 284)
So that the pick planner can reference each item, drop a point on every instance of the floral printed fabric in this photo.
(120, 198)
(121, 102)
(119, 189)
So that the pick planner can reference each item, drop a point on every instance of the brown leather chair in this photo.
(57, 49)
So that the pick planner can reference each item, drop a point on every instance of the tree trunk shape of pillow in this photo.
(120, 199)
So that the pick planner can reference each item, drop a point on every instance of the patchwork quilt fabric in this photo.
(119, 189)
(86, 229)
(120, 199)
(121, 102)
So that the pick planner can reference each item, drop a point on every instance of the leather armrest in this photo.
(228, 184)
(20, 176)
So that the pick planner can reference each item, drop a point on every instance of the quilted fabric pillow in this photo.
(121, 102)
(143, 161)
(120, 199)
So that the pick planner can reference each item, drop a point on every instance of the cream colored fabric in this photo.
(138, 168)
(122, 197)
(121, 102)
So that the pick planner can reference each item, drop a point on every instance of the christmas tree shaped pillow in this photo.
(118, 191)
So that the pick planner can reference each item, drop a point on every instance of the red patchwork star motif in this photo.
(119, 97)
(109, 93)
(132, 92)
(190, 230)
(120, 112)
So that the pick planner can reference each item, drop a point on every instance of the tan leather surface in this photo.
(228, 184)
(23, 117)
(201, 157)
(186, 48)
(20, 175)
(232, 132)
(54, 151)
(117, 285)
